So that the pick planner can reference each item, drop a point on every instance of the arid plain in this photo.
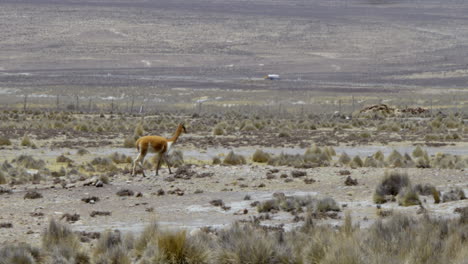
(357, 154)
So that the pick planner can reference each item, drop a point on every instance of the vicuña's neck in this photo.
(174, 138)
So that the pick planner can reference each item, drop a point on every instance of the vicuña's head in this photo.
(181, 125)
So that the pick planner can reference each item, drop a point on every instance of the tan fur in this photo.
(155, 144)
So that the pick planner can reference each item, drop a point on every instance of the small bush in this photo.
(268, 206)
(129, 142)
(216, 161)
(218, 131)
(453, 195)
(284, 134)
(26, 141)
(111, 248)
(175, 248)
(260, 156)
(379, 156)
(3, 179)
(327, 204)
(391, 184)
(408, 197)
(60, 239)
(234, 159)
(357, 161)
(20, 254)
(63, 159)
(175, 158)
(344, 159)
(418, 152)
(117, 158)
(4, 141)
(82, 151)
(29, 162)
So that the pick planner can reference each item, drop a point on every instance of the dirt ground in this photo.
(189, 206)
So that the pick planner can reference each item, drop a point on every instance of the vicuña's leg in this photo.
(159, 163)
(167, 163)
(139, 161)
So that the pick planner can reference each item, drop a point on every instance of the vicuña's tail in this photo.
(137, 143)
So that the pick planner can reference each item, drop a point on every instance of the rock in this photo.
(298, 173)
(71, 217)
(125, 192)
(217, 202)
(32, 195)
(309, 180)
(6, 225)
(100, 213)
(350, 181)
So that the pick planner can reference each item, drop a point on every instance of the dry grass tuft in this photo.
(260, 156)
(234, 159)
(391, 184)
(453, 195)
(3, 179)
(20, 254)
(29, 162)
(408, 197)
(4, 141)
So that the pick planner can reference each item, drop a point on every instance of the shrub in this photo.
(29, 162)
(60, 240)
(26, 141)
(3, 179)
(129, 142)
(394, 157)
(314, 149)
(418, 152)
(453, 195)
(4, 141)
(379, 156)
(117, 158)
(284, 134)
(268, 206)
(138, 132)
(327, 204)
(234, 159)
(216, 161)
(391, 184)
(63, 159)
(246, 244)
(175, 158)
(111, 249)
(344, 159)
(371, 162)
(357, 161)
(82, 151)
(20, 254)
(175, 248)
(149, 233)
(408, 197)
(287, 160)
(260, 156)
(218, 131)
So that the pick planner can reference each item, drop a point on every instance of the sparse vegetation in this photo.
(414, 240)
(391, 185)
(234, 159)
(260, 156)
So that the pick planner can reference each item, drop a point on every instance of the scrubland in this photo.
(69, 173)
